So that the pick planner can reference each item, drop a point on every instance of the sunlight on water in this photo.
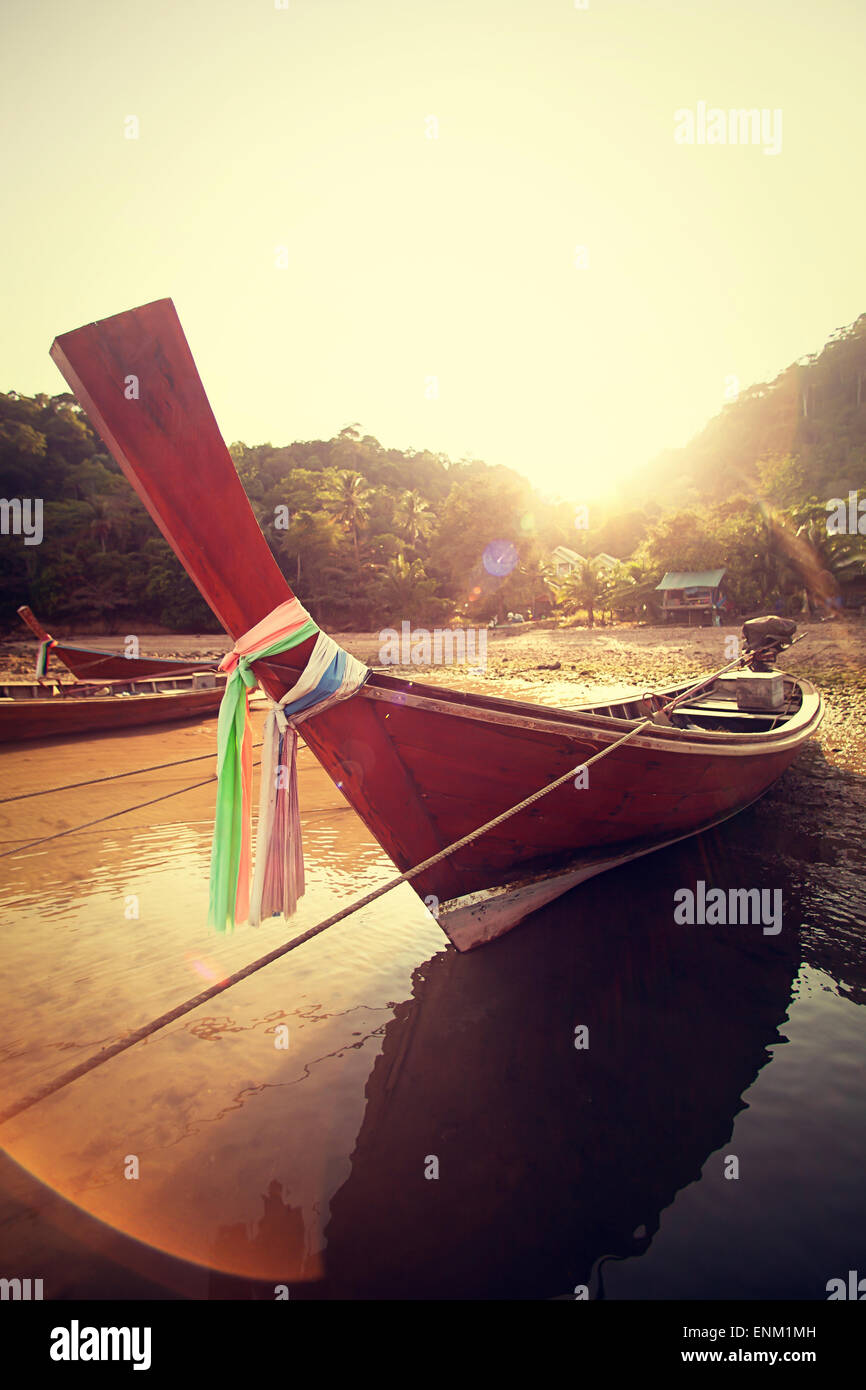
(106, 929)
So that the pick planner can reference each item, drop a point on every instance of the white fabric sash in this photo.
(278, 877)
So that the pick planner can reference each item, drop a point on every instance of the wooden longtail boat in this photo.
(423, 766)
(90, 664)
(52, 709)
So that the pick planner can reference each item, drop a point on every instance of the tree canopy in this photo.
(368, 535)
(364, 534)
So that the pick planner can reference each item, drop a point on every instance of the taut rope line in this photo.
(112, 777)
(112, 815)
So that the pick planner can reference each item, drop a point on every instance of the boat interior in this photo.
(714, 708)
(50, 688)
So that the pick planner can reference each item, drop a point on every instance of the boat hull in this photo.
(423, 771)
(67, 717)
(92, 665)
(481, 917)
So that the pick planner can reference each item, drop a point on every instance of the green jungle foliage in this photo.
(365, 535)
(370, 536)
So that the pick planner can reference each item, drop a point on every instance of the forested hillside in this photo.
(750, 493)
(802, 435)
(369, 536)
(366, 534)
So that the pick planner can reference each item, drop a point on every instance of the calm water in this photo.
(557, 1166)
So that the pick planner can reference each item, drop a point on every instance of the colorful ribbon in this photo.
(329, 675)
(42, 656)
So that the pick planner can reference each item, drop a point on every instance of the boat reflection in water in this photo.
(550, 1156)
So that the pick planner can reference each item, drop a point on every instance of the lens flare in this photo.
(499, 558)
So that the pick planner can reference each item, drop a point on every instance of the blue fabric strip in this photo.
(330, 682)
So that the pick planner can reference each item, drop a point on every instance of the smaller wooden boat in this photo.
(91, 664)
(57, 709)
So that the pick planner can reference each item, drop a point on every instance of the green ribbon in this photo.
(231, 813)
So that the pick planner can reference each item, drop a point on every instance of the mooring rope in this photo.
(112, 777)
(88, 825)
(99, 1058)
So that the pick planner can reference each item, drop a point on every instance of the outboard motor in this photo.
(765, 638)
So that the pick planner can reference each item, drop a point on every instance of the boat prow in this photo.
(93, 664)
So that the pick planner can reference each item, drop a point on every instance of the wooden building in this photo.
(691, 596)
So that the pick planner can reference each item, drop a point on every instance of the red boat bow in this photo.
(89, 663)
(423, 766)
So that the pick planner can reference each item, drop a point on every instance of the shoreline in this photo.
(566, 664)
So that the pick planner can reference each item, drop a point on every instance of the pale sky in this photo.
(409, 257)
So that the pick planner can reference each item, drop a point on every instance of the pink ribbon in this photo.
(281, 622)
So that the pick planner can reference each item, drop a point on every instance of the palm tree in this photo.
(113, 517)
(635, 589)
(308, 542)
(413, 515)
(349, 504)
(774, 568)
(820, 556)
(585, 587)
(540, 578)
(347, 448)
(403, 589)
(628, 589)
(102, 524)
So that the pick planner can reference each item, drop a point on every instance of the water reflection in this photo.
(279, 1241)
(557, 1165)
(551, 1157)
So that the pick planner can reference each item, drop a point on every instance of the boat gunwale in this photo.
(198, 664)
(113, 697)
(598, 727)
